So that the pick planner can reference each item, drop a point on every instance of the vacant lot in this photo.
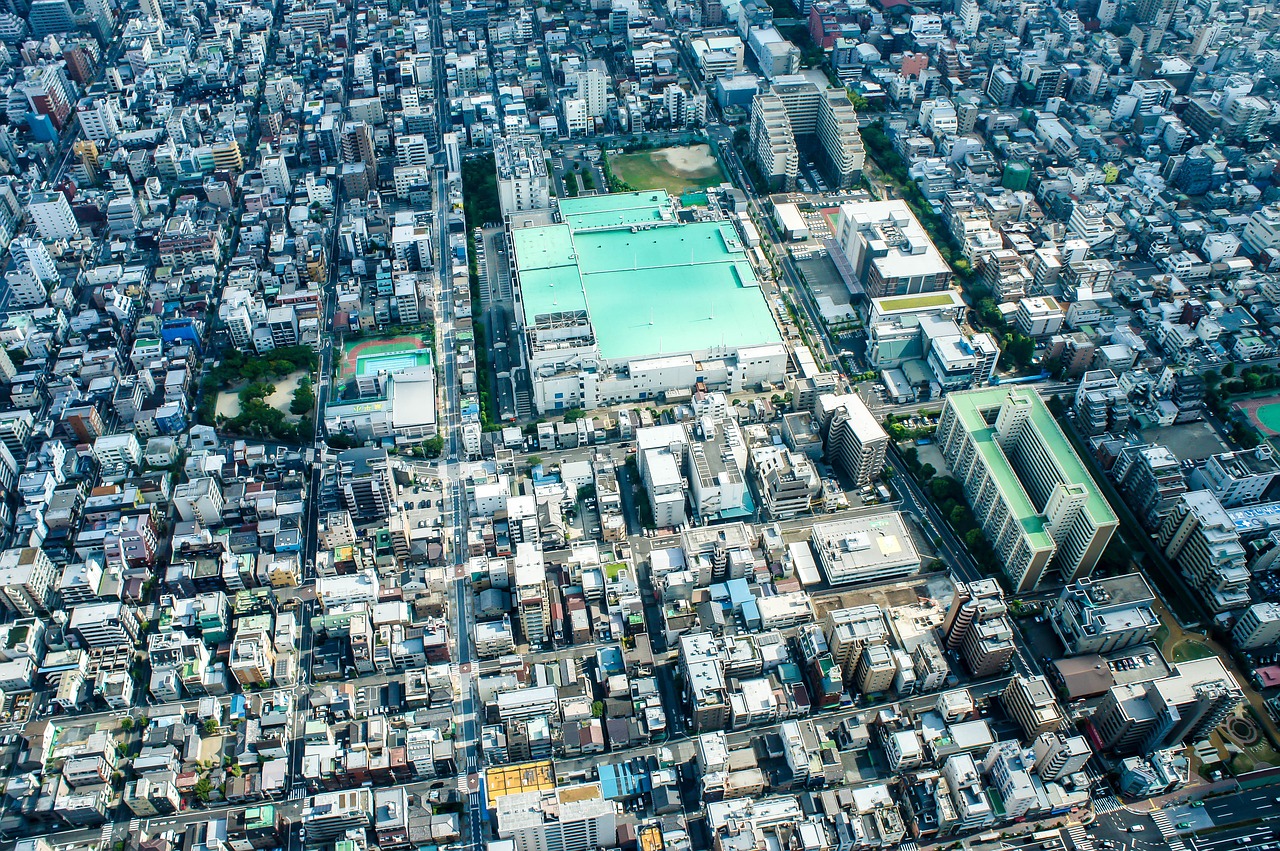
(677, 170)
(229, 400)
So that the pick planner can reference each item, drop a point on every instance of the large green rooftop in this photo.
(651, 286)
(972, 404)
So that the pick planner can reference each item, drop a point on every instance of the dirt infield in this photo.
(352, 353)
(1263, 413)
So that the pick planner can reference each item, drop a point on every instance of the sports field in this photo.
(677, 170)
(1264, 413)
(365, 356)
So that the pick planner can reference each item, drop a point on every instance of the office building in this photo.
(365, 482)
(977, 627)
(864, 549)
(887, 251)
(51, 213)
(1240, 478)
(1259, 626)
(1182, 708)
(523, 183)
(1030, 702)
(1029, 491)
(51, 16)
(1263, 230)
(568, 818)
(1200, 538)
(117, 454)
(1104, 615)
(1058, 755)
(853, 440)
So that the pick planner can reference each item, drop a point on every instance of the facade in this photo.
(977, 627)
(570, 818)
(365, 481)
(1239, 478)
(1031, 494)
(52, 215)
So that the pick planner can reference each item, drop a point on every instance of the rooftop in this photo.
(649, 286)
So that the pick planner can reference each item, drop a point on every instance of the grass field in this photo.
(677, 170)
(1264, 413)
(1189, 650)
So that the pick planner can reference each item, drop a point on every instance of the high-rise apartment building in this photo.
(853, 439)
(1200, 538)
(523, 183)
(1258, 627)
(569, 818)
(1184, 707)
(52, 215)
(28, 579)
(365, 482)
(977, 627)
(1029, 491)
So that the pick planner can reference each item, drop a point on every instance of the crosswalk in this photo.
(908, 846)
(135, 827)
(1168, 831)
(1109, 804)
(108, 831)
(1079, 838)
(462, 784)
(298, 792)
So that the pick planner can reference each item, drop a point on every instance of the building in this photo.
(199, 499)
(523, 183)
(1239, 478)
(365, 482)
(28, 578)
(1058, 755)
(1199, 537)
(875, 670)
(568, 818)
(1105, 615)
(330, 815)
(773, 143)
(887, 251)
(51, 213)
(796, 112)
(1040, 316)
(47, 17)
(1182, 708)
(1150, 479)
(1029, 491)
(587, 295)
(1263, 230)
(118, 455)
(977, 627)
(853, 440)
(1030, 702)
(1259, 626)
(864, 549)
(103, 625)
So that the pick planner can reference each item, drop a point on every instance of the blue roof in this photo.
(623, 780)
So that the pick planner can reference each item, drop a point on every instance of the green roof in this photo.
(915, 302)
(665, 289)
(970, 405)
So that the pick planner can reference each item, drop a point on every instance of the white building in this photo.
(864, 549)
(569, 818)
(523, 183)
(1258, 627)
(53, 217)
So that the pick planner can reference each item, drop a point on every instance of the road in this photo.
(953, 552)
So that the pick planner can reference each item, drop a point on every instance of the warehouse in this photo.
(622, 302)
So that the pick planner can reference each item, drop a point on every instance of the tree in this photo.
(126, 723)
(574, 414)
(304, 398)
(203, 788)
(433, 447)
(533, 460)
(927, 472)
(1229, 370)
(210, 726)
(597, 709)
